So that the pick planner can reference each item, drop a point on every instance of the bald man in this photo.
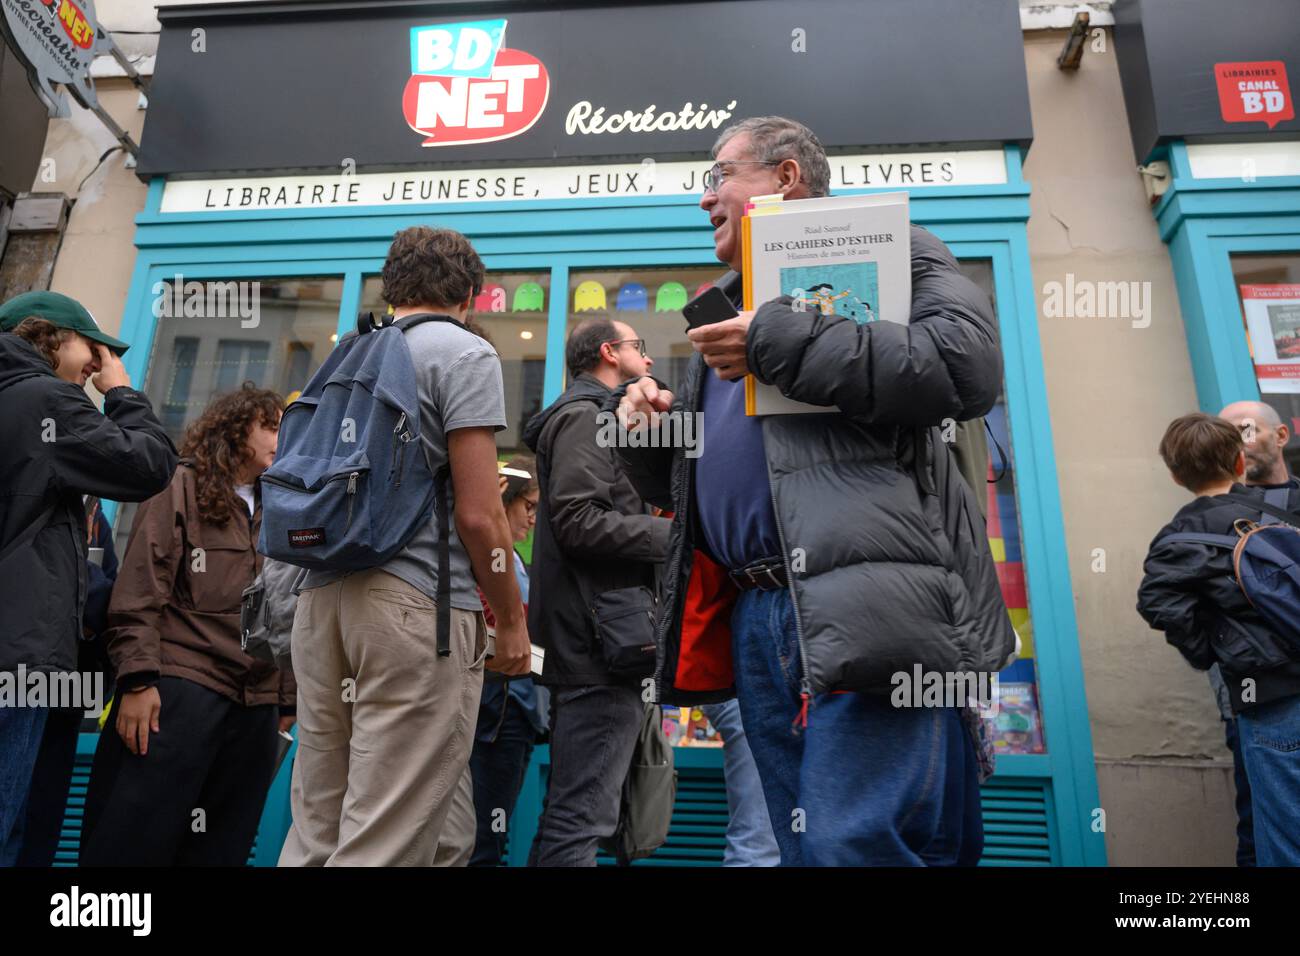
(1265, 436)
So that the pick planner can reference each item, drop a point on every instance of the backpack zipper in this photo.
(401, 447)
(352, 496)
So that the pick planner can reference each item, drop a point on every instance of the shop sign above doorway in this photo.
(58, 39)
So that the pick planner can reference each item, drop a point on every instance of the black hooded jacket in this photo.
(57, 446)
(1190, 592)
(593, 534)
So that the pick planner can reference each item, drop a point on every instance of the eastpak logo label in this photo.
(306, 537)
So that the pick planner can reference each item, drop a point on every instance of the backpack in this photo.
(649, 792)
(266, 612)
(350, 484)
(1265, 560)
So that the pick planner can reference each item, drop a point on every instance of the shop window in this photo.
(1018, 725)
(215, 335)
(239, 362)
(1268, 291)
(648, 300)
(184, 352)
(511, 314)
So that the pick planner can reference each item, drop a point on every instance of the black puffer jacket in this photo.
(1190, 592)
(894, 566)
(593, 534)
(57, 446)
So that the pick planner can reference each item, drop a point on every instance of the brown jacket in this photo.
(175, 606)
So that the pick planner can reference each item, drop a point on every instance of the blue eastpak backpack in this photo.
(350, 484)
(1265, 560)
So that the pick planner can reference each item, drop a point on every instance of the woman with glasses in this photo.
(513, 712)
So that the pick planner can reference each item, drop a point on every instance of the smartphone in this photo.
(711, 305)
(95, 556)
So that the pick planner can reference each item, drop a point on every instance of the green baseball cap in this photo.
(58, 310)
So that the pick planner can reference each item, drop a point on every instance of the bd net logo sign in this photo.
(465, 87)
(1254, 92)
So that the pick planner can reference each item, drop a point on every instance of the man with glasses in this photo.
(814, 558)
(594, 534)
(1265, 438)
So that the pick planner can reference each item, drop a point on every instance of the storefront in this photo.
(571, 154)
(1231, 210)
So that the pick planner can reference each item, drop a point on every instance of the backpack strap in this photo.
(1280, 514)
(368, 322)
(444, 563)
(1228, 541)
(1277, 497)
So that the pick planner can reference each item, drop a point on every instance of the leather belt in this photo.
(765, 574)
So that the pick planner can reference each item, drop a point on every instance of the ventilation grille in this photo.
(697, 835)
(1018, 829)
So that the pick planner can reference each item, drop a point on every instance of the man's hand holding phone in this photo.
(723, 345)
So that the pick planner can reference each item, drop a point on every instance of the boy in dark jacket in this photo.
(58, 447)
(1191, 593)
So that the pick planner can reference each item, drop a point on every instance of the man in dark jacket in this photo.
(58, 446)
(815, 557)
(1190, 592)
(594, 534)
(1265, 437)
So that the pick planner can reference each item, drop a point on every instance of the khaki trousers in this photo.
(385, 726)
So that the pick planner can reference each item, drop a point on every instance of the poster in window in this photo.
(1273, 322)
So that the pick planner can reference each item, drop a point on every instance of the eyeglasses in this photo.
(639, 343)
(717, 173)
(530, 508)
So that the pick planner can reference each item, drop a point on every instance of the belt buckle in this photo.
(776, 584)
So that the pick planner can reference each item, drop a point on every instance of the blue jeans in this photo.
(20, 741)
(593, 736)
(865, 783)
(498, 767)
(1245, 815)
(749, 831)
(1269, 736)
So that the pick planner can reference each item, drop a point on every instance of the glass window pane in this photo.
(214, 335)
(511, 314)
(1268, 291)
(650, 301)
(1018, 726)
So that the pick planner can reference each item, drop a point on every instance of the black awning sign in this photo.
(1254, 92)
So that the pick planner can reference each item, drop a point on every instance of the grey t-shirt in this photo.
(459, 379)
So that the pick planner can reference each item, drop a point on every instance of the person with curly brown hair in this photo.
(182, 777)
(58, 448)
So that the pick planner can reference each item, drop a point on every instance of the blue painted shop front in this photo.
(1212, 226)
(1039, 808)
